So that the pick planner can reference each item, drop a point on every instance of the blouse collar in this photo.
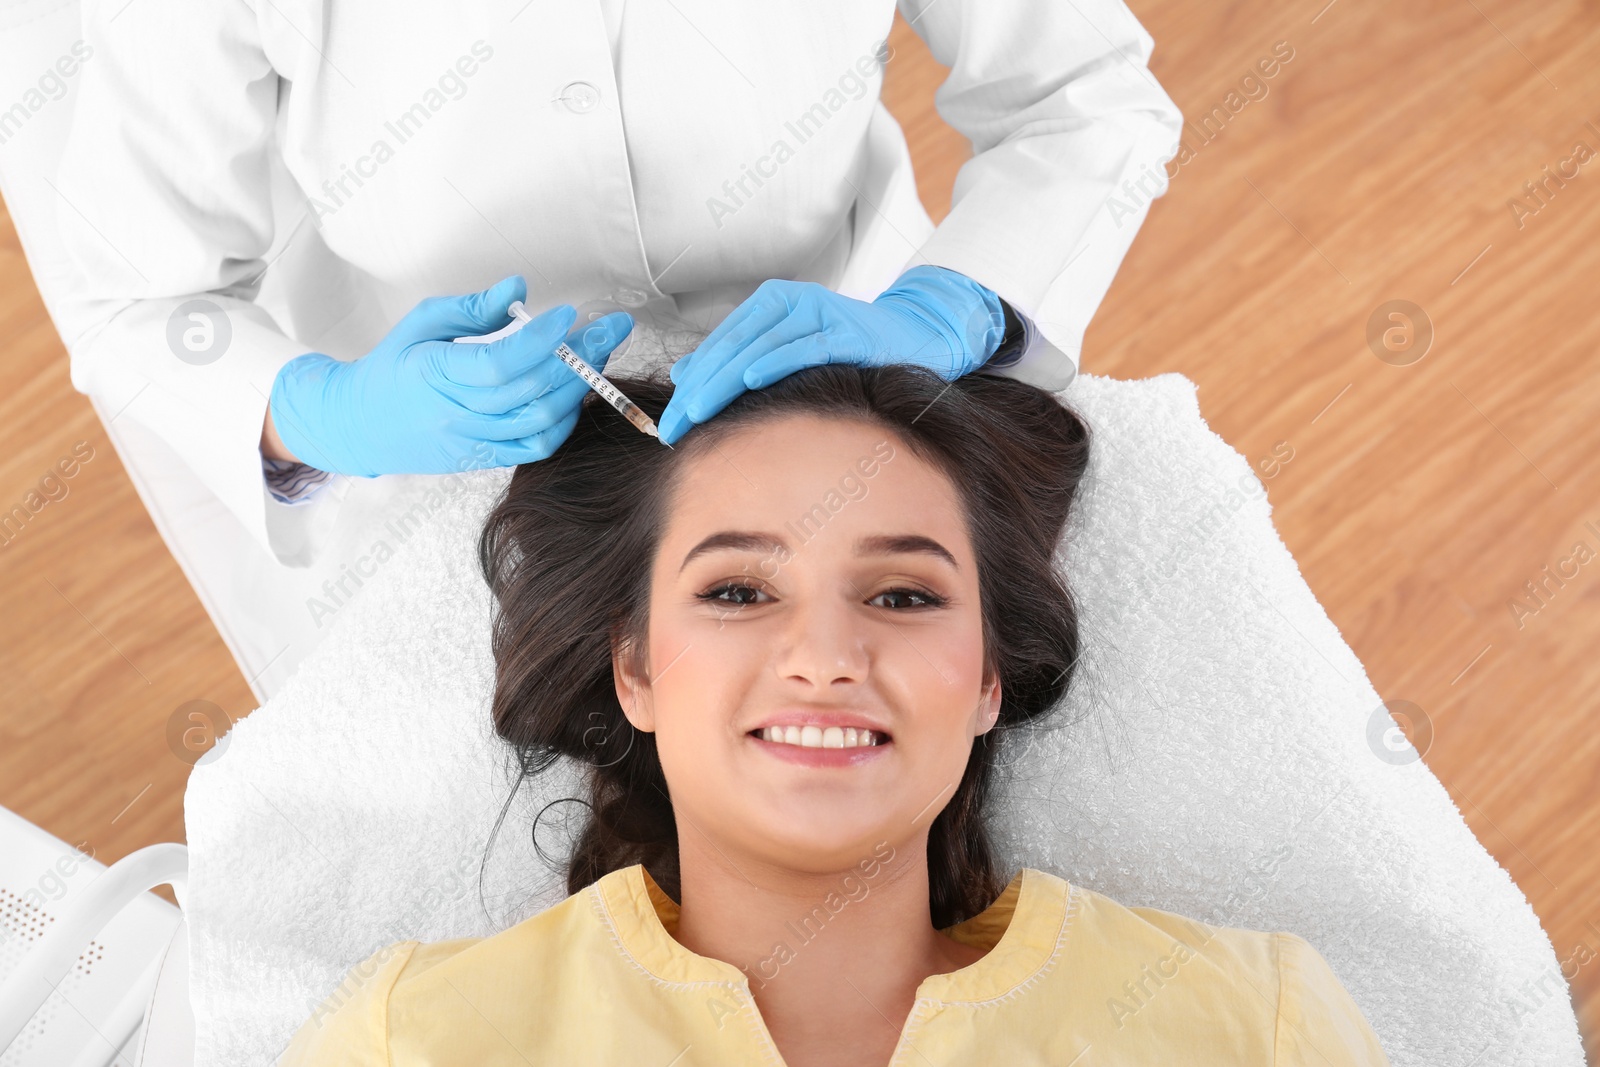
(1023, 931)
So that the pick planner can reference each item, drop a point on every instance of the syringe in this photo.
(608, 392)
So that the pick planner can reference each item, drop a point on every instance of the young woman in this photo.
(787, 652)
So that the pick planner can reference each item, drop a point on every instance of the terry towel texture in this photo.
(1218, 757)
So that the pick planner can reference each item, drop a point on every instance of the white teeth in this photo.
(820, 737)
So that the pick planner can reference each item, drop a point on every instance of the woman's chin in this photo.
(822, 838)
(826, 858)
(815, 818)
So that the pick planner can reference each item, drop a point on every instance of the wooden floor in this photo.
(1381, 164)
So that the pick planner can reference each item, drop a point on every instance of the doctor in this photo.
(274, 207)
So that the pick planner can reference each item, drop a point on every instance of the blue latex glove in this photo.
(419, 403)
(931, 316)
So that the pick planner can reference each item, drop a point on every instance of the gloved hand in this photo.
(931, 316)
(419, 403)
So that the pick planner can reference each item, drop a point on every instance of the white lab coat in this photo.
(660, 156)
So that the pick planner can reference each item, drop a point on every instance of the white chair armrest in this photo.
(49, 961)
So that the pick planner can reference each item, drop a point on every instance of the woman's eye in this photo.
(735, 593)
(907, 598)
(742, 594)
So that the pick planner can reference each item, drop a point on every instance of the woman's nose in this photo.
(824, 644)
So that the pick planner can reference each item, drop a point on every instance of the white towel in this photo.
(1221, 767)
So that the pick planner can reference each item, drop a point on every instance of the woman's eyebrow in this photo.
(895, 544)
(877, 544)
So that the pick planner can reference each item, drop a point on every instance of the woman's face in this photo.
(812, 572)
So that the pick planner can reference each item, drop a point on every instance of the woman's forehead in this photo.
(804, 473)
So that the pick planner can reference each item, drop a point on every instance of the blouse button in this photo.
(632, 297)
(580, 97)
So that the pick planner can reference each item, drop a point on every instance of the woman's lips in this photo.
(822, 757)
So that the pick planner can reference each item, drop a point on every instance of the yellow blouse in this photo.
(599, 979)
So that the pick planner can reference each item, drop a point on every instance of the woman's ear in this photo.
(630, 671)
(989, 705)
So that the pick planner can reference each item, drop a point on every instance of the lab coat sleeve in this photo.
(164, 197)
(1070, 135)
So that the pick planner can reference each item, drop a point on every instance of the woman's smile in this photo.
(817, 746)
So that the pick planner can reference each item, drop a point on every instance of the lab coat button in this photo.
(580, 97)
(632, 297)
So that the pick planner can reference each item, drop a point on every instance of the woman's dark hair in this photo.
(568, 554)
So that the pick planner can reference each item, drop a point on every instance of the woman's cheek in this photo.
(696, 673)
